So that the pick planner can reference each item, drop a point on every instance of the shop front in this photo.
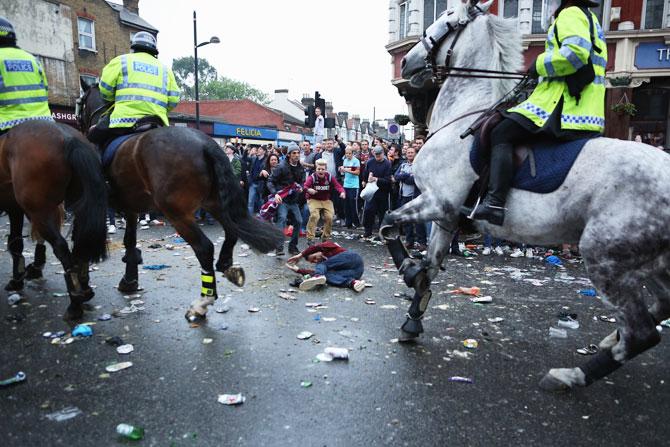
(652, 98)
(245, 134)
(63, 114)
(285, 138)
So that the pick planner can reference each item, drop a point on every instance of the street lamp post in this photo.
(196, 45)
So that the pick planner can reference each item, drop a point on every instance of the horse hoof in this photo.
(235, 274)
(73, 313)
(14, 285)
(552, 384)
(412, 328)
(128, 286)
(33, 272)
(194, 317)
(87, 295)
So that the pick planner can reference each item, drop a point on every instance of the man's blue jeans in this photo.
(341, 269)
(255, 197)
(282, 214)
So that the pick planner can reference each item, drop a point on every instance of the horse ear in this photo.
(84, 85)
(485, 6)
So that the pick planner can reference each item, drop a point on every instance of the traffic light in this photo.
(310, 117)
(320, 103)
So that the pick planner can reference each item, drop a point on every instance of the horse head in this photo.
(89, 107)
(417, 66)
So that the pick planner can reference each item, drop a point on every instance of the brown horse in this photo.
(42, 165)
(176, 171)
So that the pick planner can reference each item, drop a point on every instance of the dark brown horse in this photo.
(176, 171)
(42, 165)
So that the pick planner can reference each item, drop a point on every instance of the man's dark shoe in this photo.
(293, 250)
(279, 251)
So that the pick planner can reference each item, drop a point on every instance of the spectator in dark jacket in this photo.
(288, 172)
(257, 177)
(408, 190)
(377, 169)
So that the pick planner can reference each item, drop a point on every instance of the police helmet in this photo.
(144, 41)
(585, 3)
(7, 33)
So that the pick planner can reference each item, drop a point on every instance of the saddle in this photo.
(541, 167)
(112, 146)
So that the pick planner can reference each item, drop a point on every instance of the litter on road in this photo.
(17, 378)
(64, 414)
(118, 366)
(125, 349)
(231, 399)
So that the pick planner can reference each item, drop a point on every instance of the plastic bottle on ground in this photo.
(130, 432)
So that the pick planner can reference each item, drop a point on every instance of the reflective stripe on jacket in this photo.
(139, 85)
(23, 88)
(555, 63)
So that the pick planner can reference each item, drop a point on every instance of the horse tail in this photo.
(87, 200)
(261, 236)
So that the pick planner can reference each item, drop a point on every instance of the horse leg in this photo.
(659, 287)
(204, 251)
(133, 256)
(419, 275)
(35, 268)
(619, 282)
(15, 247)
(49, 229)
(233, 273)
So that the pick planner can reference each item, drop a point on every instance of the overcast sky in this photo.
(335, 47)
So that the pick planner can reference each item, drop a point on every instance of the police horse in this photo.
(176, 171)
(614, 202)
(42, 165)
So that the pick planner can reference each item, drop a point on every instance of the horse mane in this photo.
(508, 48)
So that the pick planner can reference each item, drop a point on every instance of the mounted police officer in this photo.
(567, 104)
(140, 88)
(23, 83)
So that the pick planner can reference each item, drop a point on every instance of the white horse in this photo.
(615, 201)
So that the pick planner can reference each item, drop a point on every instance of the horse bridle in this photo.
(440, 72)
(79, 111)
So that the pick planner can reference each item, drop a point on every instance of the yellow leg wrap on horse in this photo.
(207, 284)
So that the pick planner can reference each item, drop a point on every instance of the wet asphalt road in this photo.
(386, 394)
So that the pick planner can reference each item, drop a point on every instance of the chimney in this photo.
(281, 95)
(344, 116)
(357, 120)
(329, 108)
(132, 6)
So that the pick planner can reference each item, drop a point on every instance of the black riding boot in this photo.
(492, 208)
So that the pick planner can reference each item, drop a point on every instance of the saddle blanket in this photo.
(553, 161)
(112, 147)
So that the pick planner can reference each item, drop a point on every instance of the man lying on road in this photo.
(334, 265)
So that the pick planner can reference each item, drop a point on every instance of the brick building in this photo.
(638, 41)
(242, 120)
(74, 40)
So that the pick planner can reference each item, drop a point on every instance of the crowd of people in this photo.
(320, 185)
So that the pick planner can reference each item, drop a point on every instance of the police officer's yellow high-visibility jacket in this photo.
(555, 63)
(139, 85)
(23, 88)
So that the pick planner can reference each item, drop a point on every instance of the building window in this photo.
(403, 22)
(86, 34)
(654, 14)
(432, 10)
(510, 9)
